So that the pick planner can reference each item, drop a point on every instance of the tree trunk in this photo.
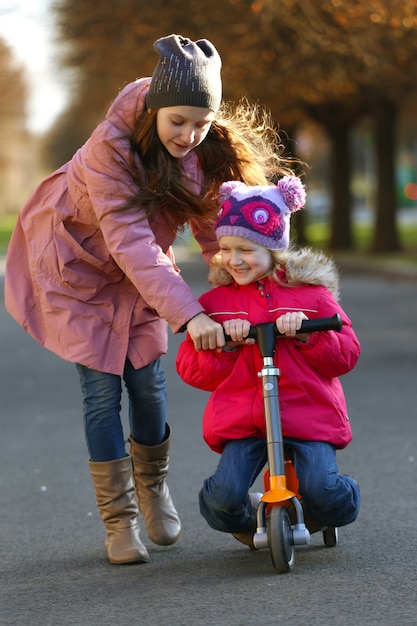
(298, 218)
(386, 238)
(341, 219)
(337, 119)
(298, 229)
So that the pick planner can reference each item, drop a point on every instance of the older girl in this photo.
(91, 274)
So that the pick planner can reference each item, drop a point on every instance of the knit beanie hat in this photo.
(187, 74)
(261, 213)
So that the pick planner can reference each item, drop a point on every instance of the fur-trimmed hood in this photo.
(312, 267)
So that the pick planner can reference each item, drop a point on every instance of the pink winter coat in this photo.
(312, 401)
(87, 281)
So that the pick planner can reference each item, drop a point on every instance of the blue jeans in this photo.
(102, 395)
(333, 499)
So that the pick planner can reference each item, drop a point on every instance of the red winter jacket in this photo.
(312, 401)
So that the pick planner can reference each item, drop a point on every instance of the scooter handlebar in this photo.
(307, 326)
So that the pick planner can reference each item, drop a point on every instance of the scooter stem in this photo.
(278, 492)
(269, 375)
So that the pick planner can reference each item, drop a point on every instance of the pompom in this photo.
(227, 188)
(293, 192)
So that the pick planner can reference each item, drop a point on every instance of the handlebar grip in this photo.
(321, 323)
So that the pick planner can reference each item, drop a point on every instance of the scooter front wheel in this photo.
(280, 541)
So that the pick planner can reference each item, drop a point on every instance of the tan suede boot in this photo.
(150, 468)
(118, 508)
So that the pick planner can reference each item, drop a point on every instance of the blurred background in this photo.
(338, 76)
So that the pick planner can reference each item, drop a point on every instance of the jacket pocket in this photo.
(74, 269)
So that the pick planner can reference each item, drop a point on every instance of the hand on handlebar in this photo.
(289, 323)
(205, 333)
(238, 331)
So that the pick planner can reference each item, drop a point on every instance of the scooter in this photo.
(279, 511)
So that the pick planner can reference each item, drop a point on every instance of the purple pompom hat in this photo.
(260, 213)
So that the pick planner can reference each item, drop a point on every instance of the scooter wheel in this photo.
(330, 537)
(280, 539)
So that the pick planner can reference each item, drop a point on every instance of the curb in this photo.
(365, 266)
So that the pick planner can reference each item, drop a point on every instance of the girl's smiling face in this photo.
(182, 128)
(245, 260)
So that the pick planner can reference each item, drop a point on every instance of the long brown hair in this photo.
(242, 144)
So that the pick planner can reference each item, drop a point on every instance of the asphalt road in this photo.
(53, 568)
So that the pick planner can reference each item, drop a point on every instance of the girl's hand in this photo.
(205, 333)
(289, 323)
(238, 330)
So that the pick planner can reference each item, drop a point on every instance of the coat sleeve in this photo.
(206, 239)
(331, 353)
(109, 180)
(205, 369)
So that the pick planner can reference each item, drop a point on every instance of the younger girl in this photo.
(260, 280)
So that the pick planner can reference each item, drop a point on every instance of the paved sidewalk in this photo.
(53, 568)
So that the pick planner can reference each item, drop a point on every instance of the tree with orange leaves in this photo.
(333, 61)
(13, 135)
(337, 60)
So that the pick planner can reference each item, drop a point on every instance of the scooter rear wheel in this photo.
(330, 537)
(280, 539)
